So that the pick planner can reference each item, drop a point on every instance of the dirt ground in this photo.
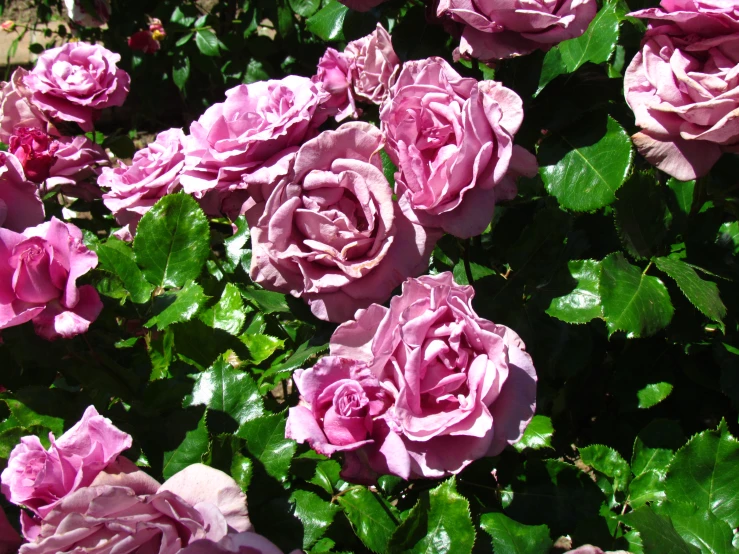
(24, 15)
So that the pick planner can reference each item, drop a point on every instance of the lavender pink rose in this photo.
(452, 140)
(331, 233)
(420, 389)
(20, 203)
(497, 29)
(39, 269)
(333, 74)
(17, 108)
(373, 66)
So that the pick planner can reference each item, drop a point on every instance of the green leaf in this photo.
(177, 306)
(439, 523)
(632, 301)
(261, 347)
(705, 472)
(583, 303)
(702, 294)
(267, 301)
(23, 415)
(511, 537)
(538, 434)
(729, 234)
(655, 445)
(327, 475)
(647, 487)
(608, 462)
(305, 8)
(328, 23)
(372, 519)
(700, 528)
(255, 71)
(298, 359)
(314, 513)
(684, 192)
(596, 45)
(172, 241)
(190, 450)
(388, 168)
(653, 394)
(228, 314)
(178, 16)
(265, 437)
(657, 533)
(118, 258)
(236, 251)
(181, 68)
(226, 389)
(207, 42)
(584, 166)
(242, 470)
(478, 272)
(641, 216)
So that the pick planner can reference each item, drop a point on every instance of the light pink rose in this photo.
(684, 96)
(20, 204)
(343, 409)
(78, 161)
(497, 29)
(9, 538)
(462, 386)
(452, 140)
(362, 5)
(705, 18)
(241, 543)
(77, 13)
(38, 478)
(331, 233)
(374, 65)
(39, 269)
(153, 173)
(75, 81)
(333, 75)
(232, 140)
(17, 108)
(35, 150)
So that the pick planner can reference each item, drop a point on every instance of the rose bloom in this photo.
(38, 478)
(452, 141)
(77, 13)
(153, 173)
(35, 150)
(684, 97)
(706, 18)
(331, 232)
(462, 386)
(17, 108)
(78, 160)
(362, 5)
(232, 140)
(20, 204)
(333, 74)
(374, 65)
(497, 29)
(39, 269)
(9, 538)
(75, 81)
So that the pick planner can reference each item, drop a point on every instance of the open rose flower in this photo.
(38, 478)
(331, 232)
(17, 108)
(39, 269)
(497, 29)
(452, 141)
(234, 139)
(462, 386)
(374, 65)
(75, 81)
(684, 96)
(9, 538)
(240, 543)
(20, 204)
(705, 18)
(153, 173)
(77, 11)
(78, 162)
(35, 150)
(333, 74)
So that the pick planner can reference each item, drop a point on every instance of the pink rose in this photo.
(241, 543)
(78, 14)
(35, 150)
(497, 29)
(706, 18)
(331, 232)
(154, 173)
(20, 204)
(462, 386)
(17, 108)
(343, 409)
(684, 95)
(78, 160)
(232, 140)
(9, 538)
(75, 81)
(374, 65)
(362, 5)
(38, 478)
(39, 269)
(452, 140)
(333, 74)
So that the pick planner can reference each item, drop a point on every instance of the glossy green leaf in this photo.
(242, 469)
(538, 434)
(702, 294)
(228, 313)
(261, 347)
(649, 486)
(657, 533)
(388, 168)
(641, 215)
(700, 528)
(118, 258)
(314, 513)
(439, 523)
(181, 68)
(300, 358)
(370, 517)
(172, 241)
(265, 438)
(683, 192)
(477, 271)
(705, 472)
(266, 301)
(511, 537)
(633, 302)
(190, 451)
(207, 42)
(237, 252)
(608, 462)
(584, 166)
(327, 475)
(328, 23)
(584, 303)
(305, 8)
(177, 306)
(655, 445)
(653, 394)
